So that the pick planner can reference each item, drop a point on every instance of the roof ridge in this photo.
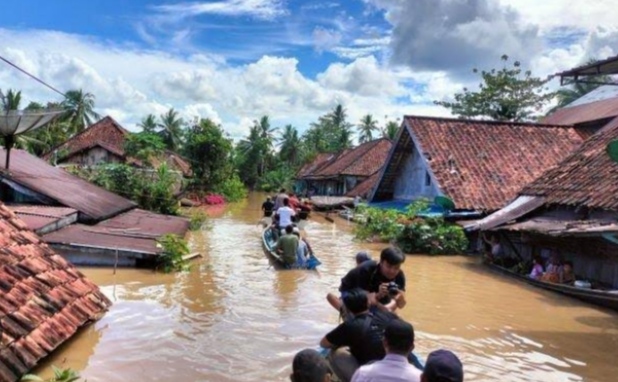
(484, 121)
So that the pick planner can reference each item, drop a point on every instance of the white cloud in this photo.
(261, 9)
(325, 39)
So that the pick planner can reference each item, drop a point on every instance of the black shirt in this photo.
(363, 339)
(367, 276)
(267, 207)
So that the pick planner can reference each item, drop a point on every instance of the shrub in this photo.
(380, 223)
(197, 218)
(232, 188)
(60, 375)
(174, 249)
(433, 236)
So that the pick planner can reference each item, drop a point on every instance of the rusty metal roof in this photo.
(593, 111)
(48, 211)
(44, 300)
(133, 231)
(93, 202)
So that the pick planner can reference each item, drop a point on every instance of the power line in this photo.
(33, 76)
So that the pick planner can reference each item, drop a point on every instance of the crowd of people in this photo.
(373, 343)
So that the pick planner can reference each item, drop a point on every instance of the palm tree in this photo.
(171, 129)
(11, 100)
(290, 145)
(390, 130)
(366, 127)
(79, 108)
(148, 124)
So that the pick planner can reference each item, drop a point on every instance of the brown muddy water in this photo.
(234, 318)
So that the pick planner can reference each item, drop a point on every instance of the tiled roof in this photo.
(363, 160)
(106, 133)
(587, 177)
(43, 298)
(365, 188)
(593, 111)
(94, 203)
(315, 165)
(482, 165)
(111, 136)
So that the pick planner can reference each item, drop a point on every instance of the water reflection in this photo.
(235, 318)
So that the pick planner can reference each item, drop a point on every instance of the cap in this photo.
(362, 257)
(443, 365)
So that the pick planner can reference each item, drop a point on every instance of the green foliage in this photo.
(413, 235)
(209, 151)
(152, 190)
(367, 126)
(60, 375)
(144, 146)
(174, 249)
(332, 132)
(433, 236)
(232, 188)
(507, 94)
(79, 110)
(197, 219)
(281, 177)
(390, 130)
(172, 129)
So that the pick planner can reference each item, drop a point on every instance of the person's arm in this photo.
(278, 248)
(336, 338)
(325, 343)
(400, 299)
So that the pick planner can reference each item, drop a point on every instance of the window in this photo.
(427, 179)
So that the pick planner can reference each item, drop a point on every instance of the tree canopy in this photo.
(507, 94)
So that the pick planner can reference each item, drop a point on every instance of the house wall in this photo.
(594, 259)
(412, 180)
(94, 156)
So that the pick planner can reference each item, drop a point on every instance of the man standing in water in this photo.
(287, 246)
(384, 281)
(279, 199)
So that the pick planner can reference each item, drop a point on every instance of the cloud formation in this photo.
(260, 9)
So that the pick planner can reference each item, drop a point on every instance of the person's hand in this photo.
(382, 291)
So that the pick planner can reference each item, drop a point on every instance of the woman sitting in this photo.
(537, 268)
(567, 276)
(553, 270)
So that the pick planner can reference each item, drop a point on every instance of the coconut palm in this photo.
(171, 129)
(148, 124)
(11, 100)
(366, 127)
(390, 130)
(79, 107)
(290, 145)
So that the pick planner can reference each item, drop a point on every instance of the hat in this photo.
(443, 365)
(362, 256)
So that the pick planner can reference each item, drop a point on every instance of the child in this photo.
(567, 276)
(537, 268)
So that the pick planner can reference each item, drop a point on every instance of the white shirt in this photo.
(393, 368)
(285, 216)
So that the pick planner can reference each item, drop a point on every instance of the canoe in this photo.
(269, 243)
(604, 298)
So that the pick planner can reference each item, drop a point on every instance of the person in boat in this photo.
(303, 253)
(294, 201)
(279, 199)
(337, 302)
(285, 214)
(398, 342)
(442, 366)
(357, 341)
(287, 246)
(552, 270)
(309, 366)
(384, 281)
(567, 276)
(537, 268)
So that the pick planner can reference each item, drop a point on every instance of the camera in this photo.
(393, 288)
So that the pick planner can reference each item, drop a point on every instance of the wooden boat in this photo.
(600, 297)
(268, 243)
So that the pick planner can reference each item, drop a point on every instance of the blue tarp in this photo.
(433, 211)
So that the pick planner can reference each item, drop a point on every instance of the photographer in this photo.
(384, 281)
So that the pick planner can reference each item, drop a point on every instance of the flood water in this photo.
(234, 318)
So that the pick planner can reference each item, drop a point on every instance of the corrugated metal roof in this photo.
(582, 113)
(607, 66)
(150, 223)
(516, 209)
(49, 211)
(93, 202)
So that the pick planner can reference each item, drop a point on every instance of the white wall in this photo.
(411, 182)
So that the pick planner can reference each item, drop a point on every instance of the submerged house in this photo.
(44, 299)
(479, 165)
(103, 142)
(343, 174)
(571, 210)
(85, 223)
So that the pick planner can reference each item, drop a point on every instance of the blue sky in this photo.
(235, 60)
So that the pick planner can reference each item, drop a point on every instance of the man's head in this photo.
(568, 266)
(282, 191)
(309, 366)
(398, 337)
(361, 257)
(356, 301)
(268, 198)
(289, 229)
(286, 202)
(296, 231)
(390, 262)
(442, 366)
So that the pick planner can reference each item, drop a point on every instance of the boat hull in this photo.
(593, 296)
(268, 244)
